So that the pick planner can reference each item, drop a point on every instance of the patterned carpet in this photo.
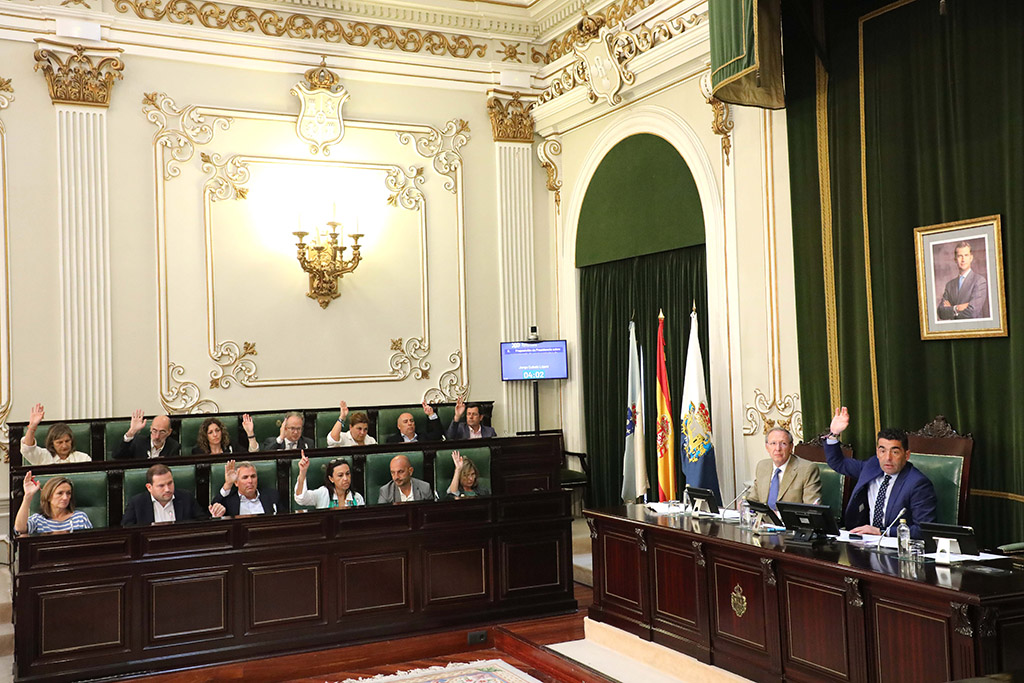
(489, 671)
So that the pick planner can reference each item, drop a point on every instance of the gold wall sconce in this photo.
(324, 261)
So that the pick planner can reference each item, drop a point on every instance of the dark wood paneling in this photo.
(187, 606)
(675, 586)
(457, 573)
(812, 607)
(525, 483)
(68, 619)
(468, 511)
(911, 646)
(79, 549)
(267, 532)
(517, 509)
(622, 579)
(282, 594)
(739, 607)
(373, 583)
(216, 537)
(530, 565)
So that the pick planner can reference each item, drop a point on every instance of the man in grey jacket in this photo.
(403, 488)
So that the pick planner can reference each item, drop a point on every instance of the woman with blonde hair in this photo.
(60, 442)
(56, 508)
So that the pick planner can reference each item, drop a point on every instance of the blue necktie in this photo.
(878, 519)
(773, 490)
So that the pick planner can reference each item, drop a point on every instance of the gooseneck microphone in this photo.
(886, 530)
(745, 489)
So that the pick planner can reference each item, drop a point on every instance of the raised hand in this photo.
(138, 422)
(217, 510)
(36, 415)
(30, 485)
(280, 436)
(247, 425)
(840, 421)
(303, 463)
(458, 460)
(230, 474)
(460, 408)
(343, 413)
(428, 409)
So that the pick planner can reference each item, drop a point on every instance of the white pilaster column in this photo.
(513, 148)
(80, 81)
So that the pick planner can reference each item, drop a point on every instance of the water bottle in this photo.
(745, 514)
(687, 503)
(903, 537)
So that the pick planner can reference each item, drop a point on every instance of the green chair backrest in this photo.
(314, 475)
(378, 471)
(113, 434)
(831, 489)
(135, 480)
(190, 432)
(81, 431)
(266, 426)
(444, 468)
(90, 490)
(266, 476)
(387, 419)
(325, 420)
(946, 474)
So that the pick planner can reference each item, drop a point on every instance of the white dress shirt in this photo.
(873, 494)
(161, 512)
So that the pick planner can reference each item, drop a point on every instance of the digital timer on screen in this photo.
(534, 360)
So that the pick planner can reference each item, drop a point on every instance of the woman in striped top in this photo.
(56, 508)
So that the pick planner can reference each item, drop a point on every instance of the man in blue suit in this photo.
(885, 485)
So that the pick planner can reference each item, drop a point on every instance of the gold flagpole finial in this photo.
(661, 314)
(694, 309)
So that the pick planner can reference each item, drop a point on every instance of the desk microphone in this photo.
(745, 489)
(886, 530)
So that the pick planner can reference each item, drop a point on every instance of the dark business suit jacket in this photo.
(973, 291)
(435, 432)
(268, 497)
(271, 444)
(138, 447)
(459, 431)
(140, 508)
(912, 490)
(389, 492)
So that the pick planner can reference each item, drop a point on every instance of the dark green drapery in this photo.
(930, 131)
(746, 52)
(609, 294)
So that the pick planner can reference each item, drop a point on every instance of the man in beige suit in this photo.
(782, 475)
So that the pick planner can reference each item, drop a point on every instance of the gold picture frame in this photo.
(960, 286)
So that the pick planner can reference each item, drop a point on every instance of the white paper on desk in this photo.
(953, 557)
(665, 508)
(869, 540)
(730, 514)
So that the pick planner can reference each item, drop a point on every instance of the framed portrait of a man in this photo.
(960, 279)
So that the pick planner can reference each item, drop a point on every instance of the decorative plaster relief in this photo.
(442, 147)
(179, 130)
(449, 387)
(768, 412)
(72, 77)
(6, 97)
(546, 152)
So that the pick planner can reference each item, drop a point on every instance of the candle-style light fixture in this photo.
(324, 261)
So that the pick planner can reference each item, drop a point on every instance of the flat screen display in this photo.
(534, 360)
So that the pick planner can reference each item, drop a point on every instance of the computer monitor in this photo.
(765, 512)
(704, 496)
(534, 360)
(809, 523)
(963, 535)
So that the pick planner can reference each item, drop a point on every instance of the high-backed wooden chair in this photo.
(835, 488)
(944, 456)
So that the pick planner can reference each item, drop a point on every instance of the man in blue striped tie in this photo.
(888, 487)
(782, 475)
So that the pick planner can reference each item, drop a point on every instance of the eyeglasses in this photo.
(773, 444)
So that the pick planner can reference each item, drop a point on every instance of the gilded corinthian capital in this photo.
(76, 74)
(511, 120)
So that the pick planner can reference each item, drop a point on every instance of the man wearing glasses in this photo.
(290, 438)
(782, 475)
(137, 444)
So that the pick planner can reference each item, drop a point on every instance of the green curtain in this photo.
(943, 140)
(609, 294)
(746, 52)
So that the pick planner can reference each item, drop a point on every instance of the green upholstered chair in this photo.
(81, 431)
(135, 480)
(945, 458)
(378, 471)
(190, 432)
(314, 475)
(387, 419)
(444, 468)
(831, 489)
(90, 495)
(113, 434)
(266, 426)
(325, 420)
(266, 475)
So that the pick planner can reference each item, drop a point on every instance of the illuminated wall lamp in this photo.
(324, 261)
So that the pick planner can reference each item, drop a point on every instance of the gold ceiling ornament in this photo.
(546, 152)
(511, 121)
(538, 57)
(227, 177)
(442, 147)
(589, 24)
(449, 387)
(769, 412)
(592, 68)
(722, 123)
(234, 364)
(6, 93)
(302, 27)
(510, 52)
(323, 259)
(403, 187)
(396, 344)
(321, 98)
(184, 396)
(411, 360)
(72, 75)
(179, 130)
(738, 601)
(75, 2)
